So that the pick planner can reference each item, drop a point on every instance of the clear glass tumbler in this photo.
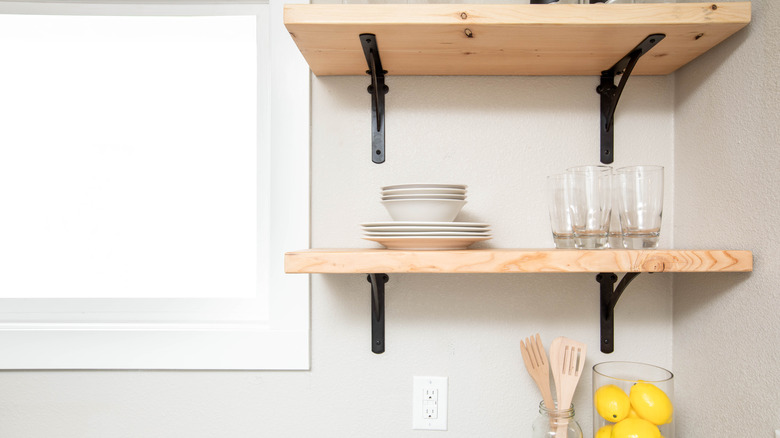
(591, 205)
(615, 232)
(553, 423)
(559, 202)
(640, 205)
(633, 398)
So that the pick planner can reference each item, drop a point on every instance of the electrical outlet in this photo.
(429, 403)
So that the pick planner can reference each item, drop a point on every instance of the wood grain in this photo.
(431, 39)
(342, 261)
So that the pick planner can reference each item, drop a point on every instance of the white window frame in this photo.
(94, 334)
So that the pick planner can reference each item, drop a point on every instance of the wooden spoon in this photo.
(536, 363)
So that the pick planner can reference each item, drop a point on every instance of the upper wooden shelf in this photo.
(344, 261)
(432, 39)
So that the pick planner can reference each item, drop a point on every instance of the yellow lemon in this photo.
(604, 432)
(650, 403)
(635, 428)
(611, 403)
(632, 414)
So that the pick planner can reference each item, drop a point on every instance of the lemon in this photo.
(632, 414)
(650, 403)
(611, 403)
(604, 432)
(635, 428)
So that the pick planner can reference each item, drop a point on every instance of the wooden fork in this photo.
(536, 363)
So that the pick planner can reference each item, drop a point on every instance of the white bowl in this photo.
(424, 191)
(392, 197)
(428, 210)
(425, 186)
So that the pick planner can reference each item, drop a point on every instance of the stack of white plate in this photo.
(423, 217)
(426, 235)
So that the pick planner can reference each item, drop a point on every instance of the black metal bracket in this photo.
(377, 89)
(610, 93)
(609, 299)
(378, 311)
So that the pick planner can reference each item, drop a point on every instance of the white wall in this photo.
(501, 136)
(727, 125)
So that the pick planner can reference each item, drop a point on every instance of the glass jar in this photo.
(613, 401)
(553, 423)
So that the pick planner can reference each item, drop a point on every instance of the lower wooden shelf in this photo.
(346, 261)
(378, 263)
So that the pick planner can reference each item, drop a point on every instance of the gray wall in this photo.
(727, 132)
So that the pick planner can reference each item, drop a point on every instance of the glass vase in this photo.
(554, 423)
(632, 397)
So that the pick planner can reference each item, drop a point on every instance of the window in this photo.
(153, 170)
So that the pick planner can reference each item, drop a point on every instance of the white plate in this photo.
(404, 228)
(423, 192)
(427, 243)
(426, 197)
(429, 234)
(424, 224)
(425, 186)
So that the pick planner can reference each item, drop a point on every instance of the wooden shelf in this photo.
(431, 39)
(346, 261)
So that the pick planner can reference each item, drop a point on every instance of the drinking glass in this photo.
(615, 232)
(652, 400)
(559, 202)
(591, 205)
(640, 205)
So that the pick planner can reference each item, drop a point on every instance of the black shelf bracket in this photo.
(610, 93)
(378, 311)
(377, 89)
(609, 299)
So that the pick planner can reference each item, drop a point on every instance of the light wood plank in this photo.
(342, 261)
(430, 39)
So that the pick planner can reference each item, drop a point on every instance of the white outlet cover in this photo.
(420, 384)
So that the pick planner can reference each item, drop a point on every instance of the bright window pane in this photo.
(128, 157)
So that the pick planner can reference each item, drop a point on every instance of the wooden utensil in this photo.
(567, 359)
(556, 365)
(538, 368)
(573, 355)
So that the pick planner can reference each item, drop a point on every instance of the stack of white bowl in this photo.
(423, 216)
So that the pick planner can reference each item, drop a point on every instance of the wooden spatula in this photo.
(557, 365)
(573, 355)
(536, 363)
(568, 365)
